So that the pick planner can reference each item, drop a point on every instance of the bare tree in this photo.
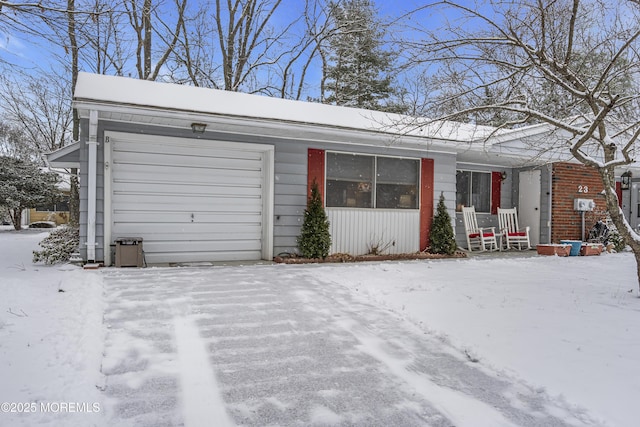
(243, 37)
(12, 142)
(244, 50)
(42, 23)
(87, 34)
(307, 49)
(515, 57)
(146, 21)
(74, 190)
(39, 106)
(22, 17)
(194, 61)
(36, 104)
(104, 46)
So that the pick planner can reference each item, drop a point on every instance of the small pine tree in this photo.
(359, 70)
(442, 239)
(314, 240)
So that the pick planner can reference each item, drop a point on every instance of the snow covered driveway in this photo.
(275, 345)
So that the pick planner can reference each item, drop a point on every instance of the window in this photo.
(473, 189)
(46, 208)
(349, 180)
(360, 181)
(397, 183)
(61, 206)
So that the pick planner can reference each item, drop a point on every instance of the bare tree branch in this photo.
(544, 61)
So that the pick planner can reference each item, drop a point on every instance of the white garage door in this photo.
(190, 199)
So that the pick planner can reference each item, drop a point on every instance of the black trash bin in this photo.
(129, 252)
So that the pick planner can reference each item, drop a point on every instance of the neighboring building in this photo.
(209, 175)
(55, 212)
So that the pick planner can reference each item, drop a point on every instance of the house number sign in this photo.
(583, 188)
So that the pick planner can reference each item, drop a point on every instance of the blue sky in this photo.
(28, 51)
(31, 53)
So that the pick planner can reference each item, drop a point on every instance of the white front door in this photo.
(529, 203)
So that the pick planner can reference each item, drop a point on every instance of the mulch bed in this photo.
(339, 258)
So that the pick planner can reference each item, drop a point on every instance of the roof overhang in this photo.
(65, 157)
(129, 100)
(150, 95)
(121, 99)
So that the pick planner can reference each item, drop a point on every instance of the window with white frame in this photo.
(364, 181)
(473, 189)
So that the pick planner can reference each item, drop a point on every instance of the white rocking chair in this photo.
(478, 238)
(511, 233)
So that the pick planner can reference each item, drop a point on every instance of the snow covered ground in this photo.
(519, 341)
(565, 325)
(50, 337)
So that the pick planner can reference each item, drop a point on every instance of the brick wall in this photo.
(571, 181)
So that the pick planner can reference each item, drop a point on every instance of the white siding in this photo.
(190, 200)
(351, 230)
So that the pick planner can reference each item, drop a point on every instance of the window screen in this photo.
(473, 189)
(351, 181)
(397, 183)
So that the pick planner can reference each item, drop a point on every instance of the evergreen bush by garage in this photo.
(442, 239)
(58, 246)
(314, 240)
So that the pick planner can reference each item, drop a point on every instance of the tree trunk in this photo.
(146, 24)
(618, 218)
(16, 218)
(74, 200)
(74, 196)
(637, 255)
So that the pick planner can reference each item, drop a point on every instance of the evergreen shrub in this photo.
(314, 240)
(442, 238)
(58, 246)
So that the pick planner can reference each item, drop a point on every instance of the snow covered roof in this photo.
(166, 104)
(131, 92)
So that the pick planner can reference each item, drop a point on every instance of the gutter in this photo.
(92, 144)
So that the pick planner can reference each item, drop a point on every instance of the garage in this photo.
(190, 200)
(205, 175)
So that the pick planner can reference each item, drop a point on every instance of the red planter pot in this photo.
(589, 249)
(560, 250)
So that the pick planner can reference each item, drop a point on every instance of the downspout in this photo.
(92, 144)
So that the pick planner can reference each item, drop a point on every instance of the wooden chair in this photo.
(478, 238)
(511, 232)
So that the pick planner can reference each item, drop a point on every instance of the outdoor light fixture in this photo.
(198, 127)
(625, 180)
(503, 175)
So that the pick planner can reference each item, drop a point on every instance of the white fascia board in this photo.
(264, 127)
(64, 165)
(479, 151)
